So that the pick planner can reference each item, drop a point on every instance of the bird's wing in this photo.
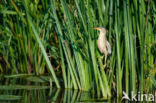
(108, 47)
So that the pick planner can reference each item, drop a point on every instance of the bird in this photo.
(102, 43)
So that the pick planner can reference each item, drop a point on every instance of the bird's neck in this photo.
(102, 35)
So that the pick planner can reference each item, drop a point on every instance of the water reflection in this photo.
(37, 90)
(49, 95)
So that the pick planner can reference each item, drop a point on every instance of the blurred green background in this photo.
(55, 37)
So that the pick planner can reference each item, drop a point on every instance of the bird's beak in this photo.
(96, 28)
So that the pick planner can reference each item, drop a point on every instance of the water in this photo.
(44, 94)
(33, 89)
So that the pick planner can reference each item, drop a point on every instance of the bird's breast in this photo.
(101, 44)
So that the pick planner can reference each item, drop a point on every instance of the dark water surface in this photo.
(43, 94)
(32, 89)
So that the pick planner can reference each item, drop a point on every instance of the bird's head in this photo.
(101, 29)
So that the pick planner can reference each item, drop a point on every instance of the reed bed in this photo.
(55, 37)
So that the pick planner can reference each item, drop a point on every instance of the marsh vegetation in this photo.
(55, 38)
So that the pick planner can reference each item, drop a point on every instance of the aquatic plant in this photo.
(55, 37)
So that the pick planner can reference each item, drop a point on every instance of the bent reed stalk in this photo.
(56, 37)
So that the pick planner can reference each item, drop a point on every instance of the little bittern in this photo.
(102, 43)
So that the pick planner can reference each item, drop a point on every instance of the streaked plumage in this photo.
(102, 43)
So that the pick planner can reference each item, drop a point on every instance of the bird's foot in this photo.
(101, 57)
(104, 66)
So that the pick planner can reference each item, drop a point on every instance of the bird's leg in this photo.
(105, 61)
